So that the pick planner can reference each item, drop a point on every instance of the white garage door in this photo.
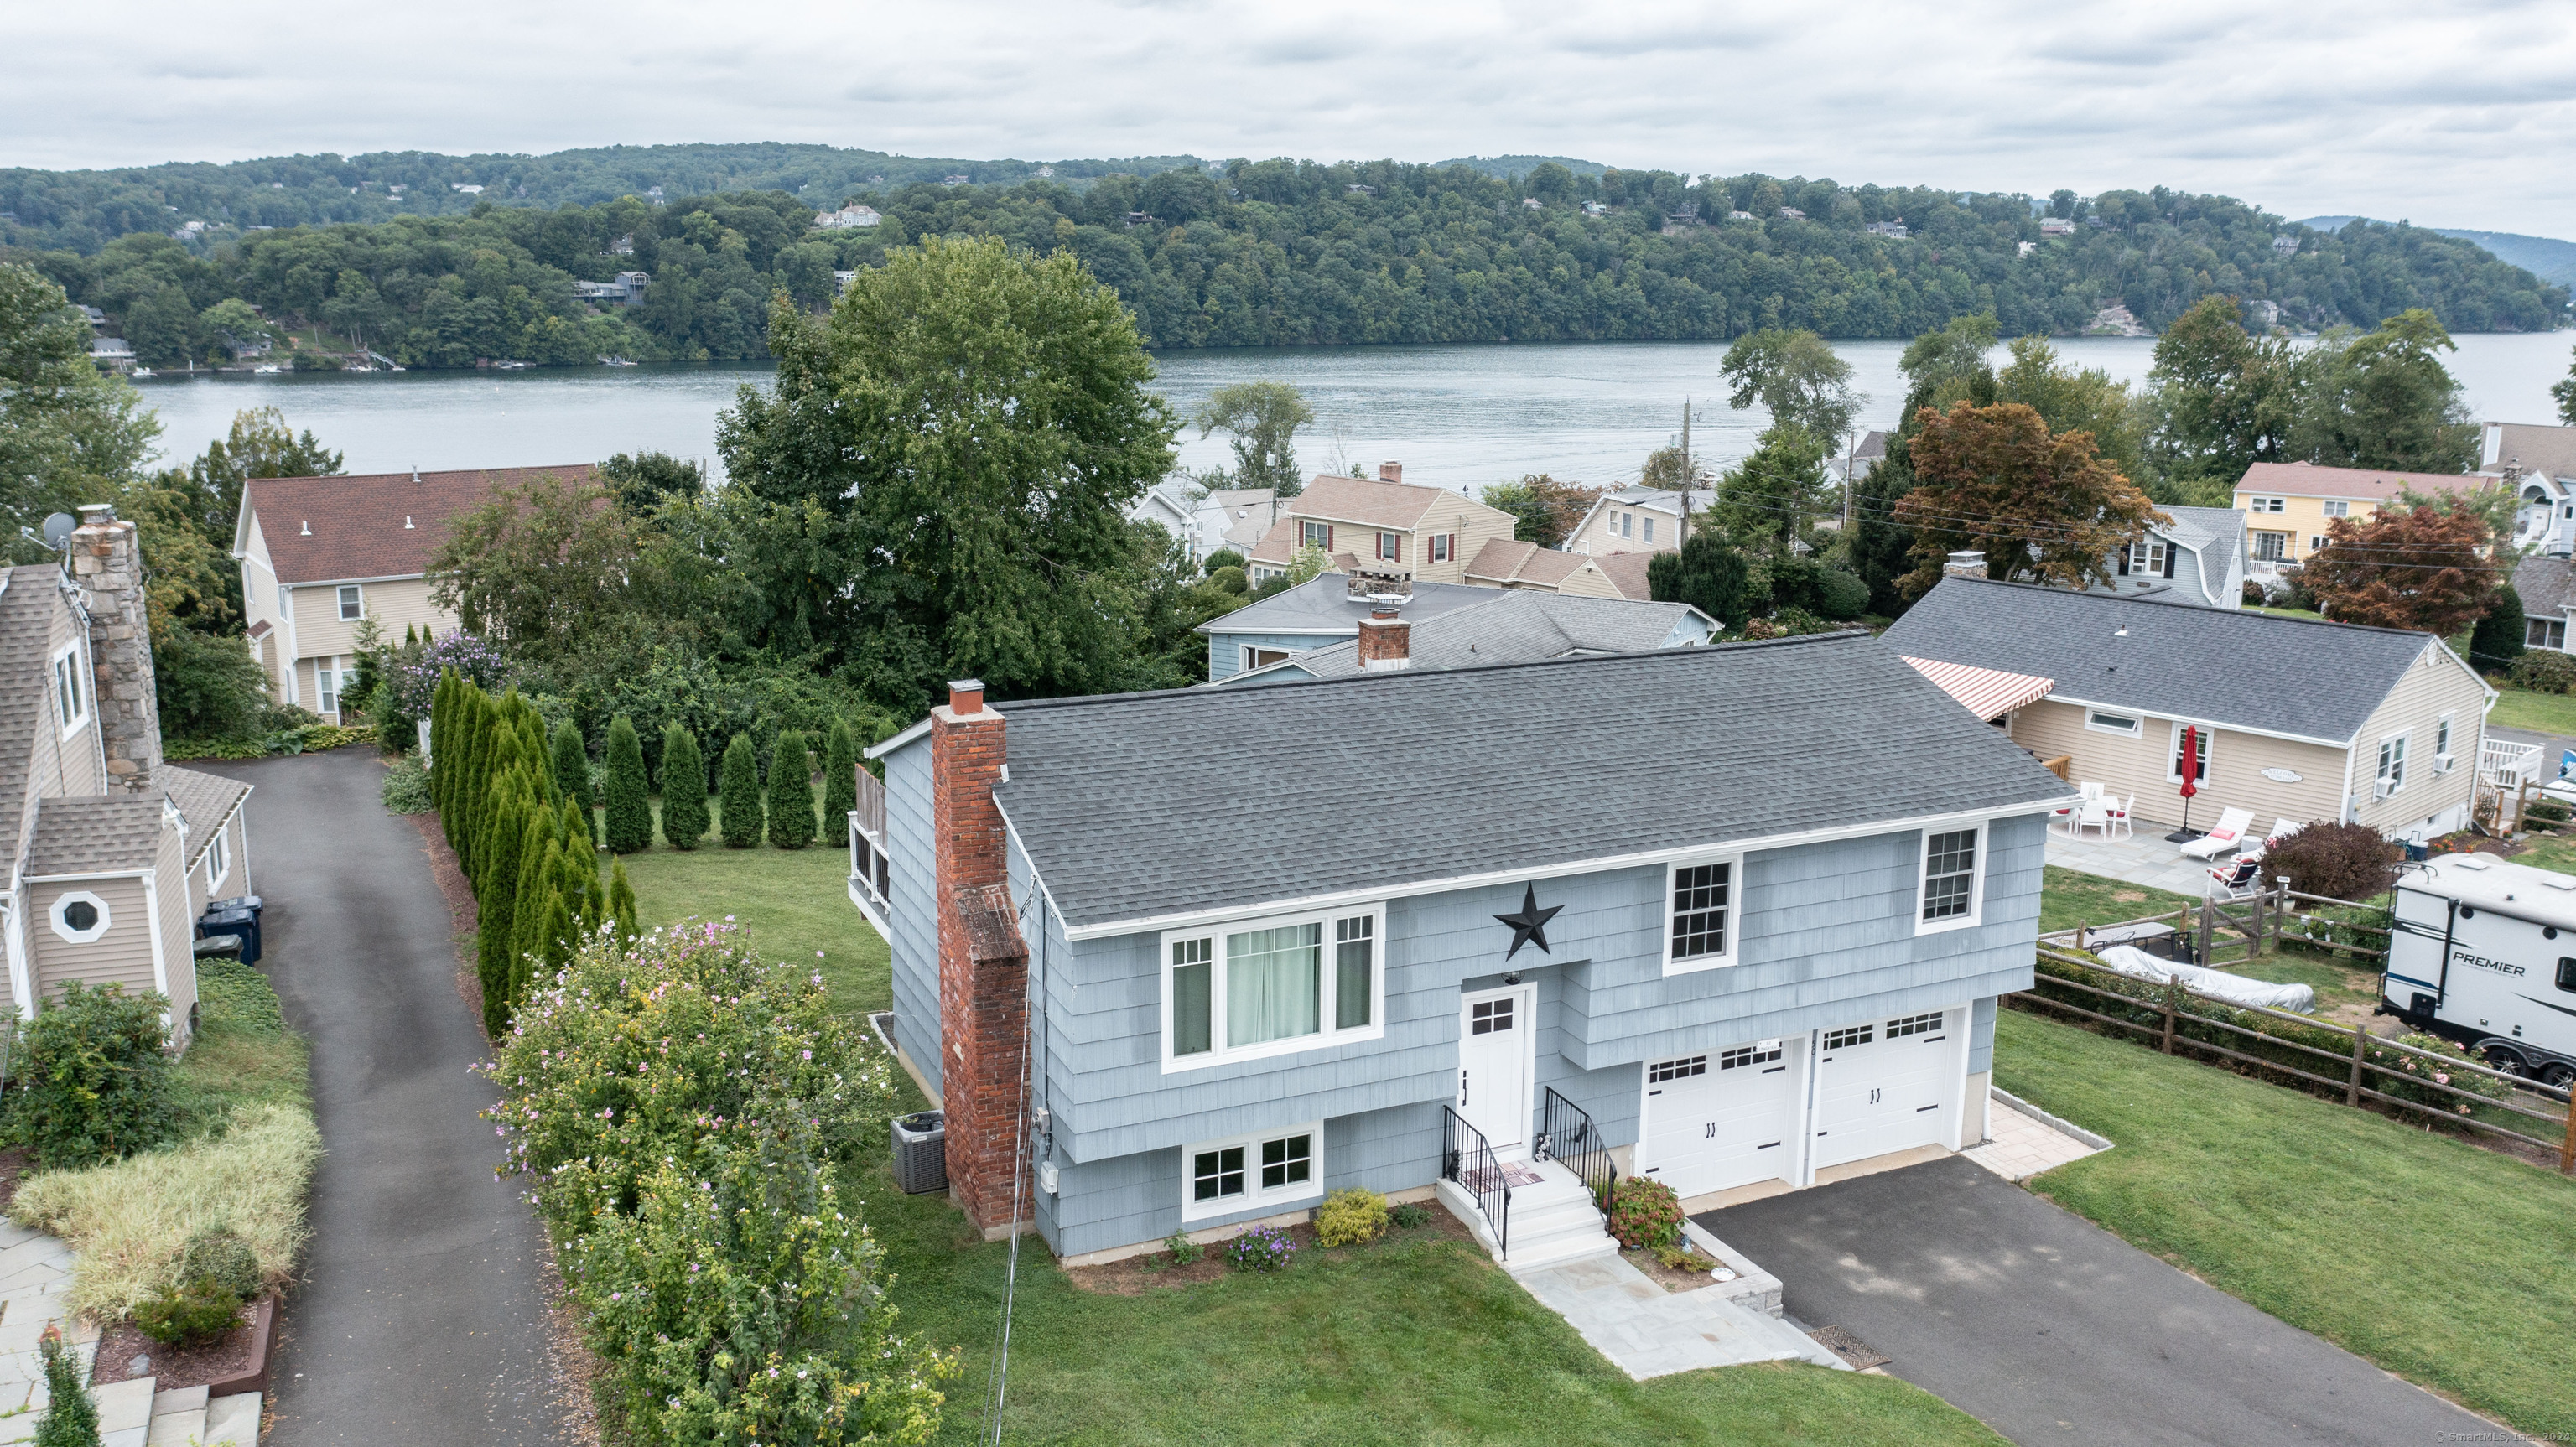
(1722, 1119)
(1886, 1085)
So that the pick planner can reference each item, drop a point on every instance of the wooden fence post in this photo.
(2207, 921)
(2567, 1148)
(2173, 991)
(2360, 1044)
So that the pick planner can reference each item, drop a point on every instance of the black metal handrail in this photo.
(1466, 1159)
(1567, 1136)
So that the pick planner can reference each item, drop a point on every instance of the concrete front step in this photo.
(178, 1418)
(233, 1421)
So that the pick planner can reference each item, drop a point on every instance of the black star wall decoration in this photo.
(1529, 927)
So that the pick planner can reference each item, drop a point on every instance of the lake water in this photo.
(1458, 416)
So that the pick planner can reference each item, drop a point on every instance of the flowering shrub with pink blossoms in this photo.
(679, 1106)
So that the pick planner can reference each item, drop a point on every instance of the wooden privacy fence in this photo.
(2331, 1061)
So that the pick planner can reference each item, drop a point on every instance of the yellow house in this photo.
(2287, 505)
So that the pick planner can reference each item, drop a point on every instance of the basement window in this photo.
(1268, 1170)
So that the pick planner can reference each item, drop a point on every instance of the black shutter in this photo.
(2170, 550)
(2124, 561)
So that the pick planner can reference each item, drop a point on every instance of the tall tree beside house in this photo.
(2383, 399)
(572, 774)
(630, 810)
(1544, 511)
(1260, 420)
(840, 782)
(1773, 496)
(2039, 507)
(2420, 568)
(68, 435)
(791, 794)
(1940, 368)
(497, 915)
(738, 794)
(2217, 400)
(2497, 640)
(1797, 378)
(1707, 573)
(2080, 399)
(2564, 390)
(684, 789)
(553, 569)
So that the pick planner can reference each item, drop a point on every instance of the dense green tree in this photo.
(1795, 375)
(840, 781)
(630, 809)
(791, 794)
(1773, 497)
(67, 434)
(684, 789)
(542, 917)
(572, 775)
(2497, 641)
(2564, 389)
(2073, 399)
(2383, 399)
(738, 794)
(1706, 572)
(645, 480)
(548, 568)
(2217, 400)
(497, 913)
(1544, 510)
(621, 903)
(1261, 421)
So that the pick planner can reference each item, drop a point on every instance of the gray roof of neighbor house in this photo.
(2537, 446)
(2542, 583)
(1324, 605)
(95, 835)
(1516, 626)
(2303, 677)
(27, 601)
(1108, 794)
(2199, 527)
(203, 801)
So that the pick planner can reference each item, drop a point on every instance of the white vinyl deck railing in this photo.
(2501, 761)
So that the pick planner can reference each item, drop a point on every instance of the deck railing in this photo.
(2501, 761)
(1567, 1136)
(1466, 1159)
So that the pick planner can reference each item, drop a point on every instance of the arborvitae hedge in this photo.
(840, 783)
(791, 792)
(684, 789)
(630, 813)
(621, 901)
(572, 775)
(738, 795)
(498, 913)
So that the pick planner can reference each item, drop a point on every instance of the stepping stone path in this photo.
(35, 1273)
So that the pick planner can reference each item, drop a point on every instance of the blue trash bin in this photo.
(239, 922)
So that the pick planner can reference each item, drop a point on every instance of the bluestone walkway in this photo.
(420, 1319)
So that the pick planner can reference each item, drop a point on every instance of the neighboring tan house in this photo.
(2546, 584)
(113, 853)
(1511, 563)
(1636, 520)
(1384, 526)
(2198, 558)
(1765, 956)
(1317, 613)
(320, 555)
(2287, 505)
(2539, 464)
(2300, 719)
(1517, 626)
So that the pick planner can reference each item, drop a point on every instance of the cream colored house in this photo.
(320, 555)
(1511, 563)
(113, 853)
(1385, 526)
(1636, 520)
(2288, 505)
(2369, 725)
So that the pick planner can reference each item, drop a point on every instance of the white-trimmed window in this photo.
(2316, 542)
(2335, 508)
(284, 601)
(2545, 633)
(71, 693)
(326, 687)
(353, 603)
(1390, 547)
(1699, 915)
(2147, 556)
(2442, 744)
(2266, 504)
(2271, 547)
(2392, 764)
(1269, 1170)
(1627, 525)
(1650, 530)
(1316, 535)
(78, 916)
(1954, 870)
(219, 861)
(1272, 987)
(2173, 756)
(1262, 657)
(2113, 723)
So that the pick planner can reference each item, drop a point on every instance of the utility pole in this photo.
(1682, 534)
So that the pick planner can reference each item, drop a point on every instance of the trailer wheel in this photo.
(2503, 1057)
(2558, 1073)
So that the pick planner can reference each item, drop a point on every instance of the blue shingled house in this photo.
(1738, 914)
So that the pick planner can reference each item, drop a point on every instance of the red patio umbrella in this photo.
(2190, 784)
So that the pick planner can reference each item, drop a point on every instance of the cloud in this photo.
(2454, 111)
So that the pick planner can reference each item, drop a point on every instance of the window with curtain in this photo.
(1273, 984)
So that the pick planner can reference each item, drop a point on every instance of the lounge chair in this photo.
(2238, 878)
(2229, 834)
(2281, 829)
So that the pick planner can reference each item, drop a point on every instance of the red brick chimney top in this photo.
(1390, 472)
(1386, 641)
(966, 695)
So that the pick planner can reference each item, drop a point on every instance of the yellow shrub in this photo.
(1348, 1218)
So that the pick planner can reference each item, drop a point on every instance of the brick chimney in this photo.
(1390, 472)
(1386, 641)
(983, 965)
(108, 566)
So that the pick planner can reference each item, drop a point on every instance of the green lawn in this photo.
(2540, 713)
(2283, 613)
(2069, 897)
(2449, 1265)
(1410, 1341)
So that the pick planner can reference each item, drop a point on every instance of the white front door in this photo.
(1886, 1085)
(1723, 1119)
(1494, 1065)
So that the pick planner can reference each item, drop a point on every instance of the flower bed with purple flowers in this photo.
(1259, 1249)
(680, 1107)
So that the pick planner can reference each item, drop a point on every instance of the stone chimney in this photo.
(108, 566)
(983, 964)
(1965, 563)
(1390, 472)
(1386, 641)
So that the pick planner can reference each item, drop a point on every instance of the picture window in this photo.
(1950, 876)
(1240, 994)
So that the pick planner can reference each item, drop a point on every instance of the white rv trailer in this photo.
(2484, 953)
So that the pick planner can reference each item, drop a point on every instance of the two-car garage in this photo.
(1783, 1109)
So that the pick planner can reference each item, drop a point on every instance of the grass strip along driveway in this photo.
(2448, 1265)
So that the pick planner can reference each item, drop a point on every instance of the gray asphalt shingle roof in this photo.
(2298, 676)
(2198, 527)
(203, 801)
(1111, 796)
(26, 602)
(2541, 582)
(1324, 605)
(94, 835)
(1515, 626)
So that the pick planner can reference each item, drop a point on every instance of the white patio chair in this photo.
(2229, 834)
(2281, 829)
(2093, 813)
(2090, 789)
(2123, 815)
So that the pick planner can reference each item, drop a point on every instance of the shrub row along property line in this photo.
(680, 1108)
(2419, 1073)
(513, 810)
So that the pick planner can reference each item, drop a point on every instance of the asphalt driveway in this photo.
(419, 1319)
(2050, 1329)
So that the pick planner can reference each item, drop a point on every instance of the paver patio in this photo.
(2141, 858)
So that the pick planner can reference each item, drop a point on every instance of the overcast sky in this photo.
(2454, 114)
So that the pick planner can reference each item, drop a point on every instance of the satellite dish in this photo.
(58, 530)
